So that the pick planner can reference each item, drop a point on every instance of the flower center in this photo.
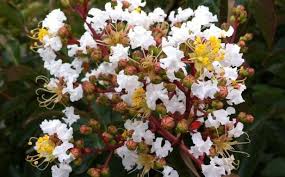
(42, 33)
(45, 147)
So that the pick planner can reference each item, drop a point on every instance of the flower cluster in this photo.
(175, 80)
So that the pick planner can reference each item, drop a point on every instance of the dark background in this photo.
(20, 114)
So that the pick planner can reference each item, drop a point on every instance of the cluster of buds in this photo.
(172, 81)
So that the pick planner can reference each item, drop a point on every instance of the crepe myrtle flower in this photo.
(175, 81)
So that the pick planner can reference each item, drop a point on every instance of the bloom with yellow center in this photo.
(205, 52)
(44, 147)
(139, 102)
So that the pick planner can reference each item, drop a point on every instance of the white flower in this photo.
(97, 19)
(70, 116)
(54, 21)
(201, 146)
(129, 158)
(169, 172)
(52, 127)
(232, 57)
(158, 15)
(53, 42)
(220, 117)
(231, 73)
(118, 52)
(75, 94)
(205, 89)
(47, 54)
(127, 83)
(172, 63)
(61, 152)
(217, 32)
(61, 170)
(140, 37)
(155, 92)
(237, 131)
(182, 15)
(203, 16)
(213, 171)
(235, 95)
(133, 3)
(161, 151)
(177, 36)
(176, 103)
(87, 41)
(116, 13)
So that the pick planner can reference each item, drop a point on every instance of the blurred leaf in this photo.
(19, 72)
(265, 19)
(275, 168)
(106, 115)
(12, 14)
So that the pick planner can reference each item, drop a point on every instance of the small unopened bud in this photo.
(131, 145)
(159, 164)
(137, 55)
(105, 172)
(248, 36)
(160, 109)
(88, 87)
(167, 122)
(223, 92)
(78, 161)
(94, 124)
(195, 125)
(170, 87)
(131, 70)
(64, 31)
(249, 118)
(179, 74)
(76, 152)
(143, 148)
(79, 143)
(126, 4)
(96, 54)
(112, 129)
(85, 130)
(241, 116)
(123, 63)
(241, 43)
(121, 107)
(250, 71)
(93, 172)
(157, 68)
(107, 137)
(217, 104)
(182, 126)
(188, 81)
(155, 79)
(103, 100)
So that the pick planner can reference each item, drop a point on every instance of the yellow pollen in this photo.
(138, 10)
(42, 33)
(45, 147)
(205, 52)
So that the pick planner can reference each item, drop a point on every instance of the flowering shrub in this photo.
(173, 81)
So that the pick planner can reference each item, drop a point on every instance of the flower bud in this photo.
(76, 152)
(217, 104)
(87, 150)
(223, 92)
(64, 31)
(241, 116)
(103, 100)
(88, 87)
(107, 137)
(123, 63)
(241, 43)
(248, 36)
(105, 172)
(159, 164)
(160, 109)
(93, 172)
(112, 129)
(179, 74)
(96, 54)
(182, 126)
(78, 161)
(143, 148)
(195, 125)
(79, 143)
(137, 55)
(249, 118)
(131, 145)
(121, 107)
(188, 81)
(250, 71)
(167, 122)
(155, 79)
(157, 68)
(85, 130)
(93, 79)
(170, 87)
(131, 70)
(94, 124)
(126, 4)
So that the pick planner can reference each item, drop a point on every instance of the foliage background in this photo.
(20, 113)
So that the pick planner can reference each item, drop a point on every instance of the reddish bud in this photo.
(250, 71)
(131, 145)
(93, 172)
(105, 172)
(107, 137)
(223, 91)
(249, 118)
(123, 63)
(88, 87)
(188, 81)
(87, 150)
(64, 31)
(76, 152)
(79, 143)
(112, 129)
(85, 130)
(94, 124)
(131, 70)
(159, 164)
(121, 107)
(195, 125)
(167, 122)
(157, 67)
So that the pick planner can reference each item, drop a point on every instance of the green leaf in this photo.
(12, 14)
(266, 19)
(275, 168)
(106, 115)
